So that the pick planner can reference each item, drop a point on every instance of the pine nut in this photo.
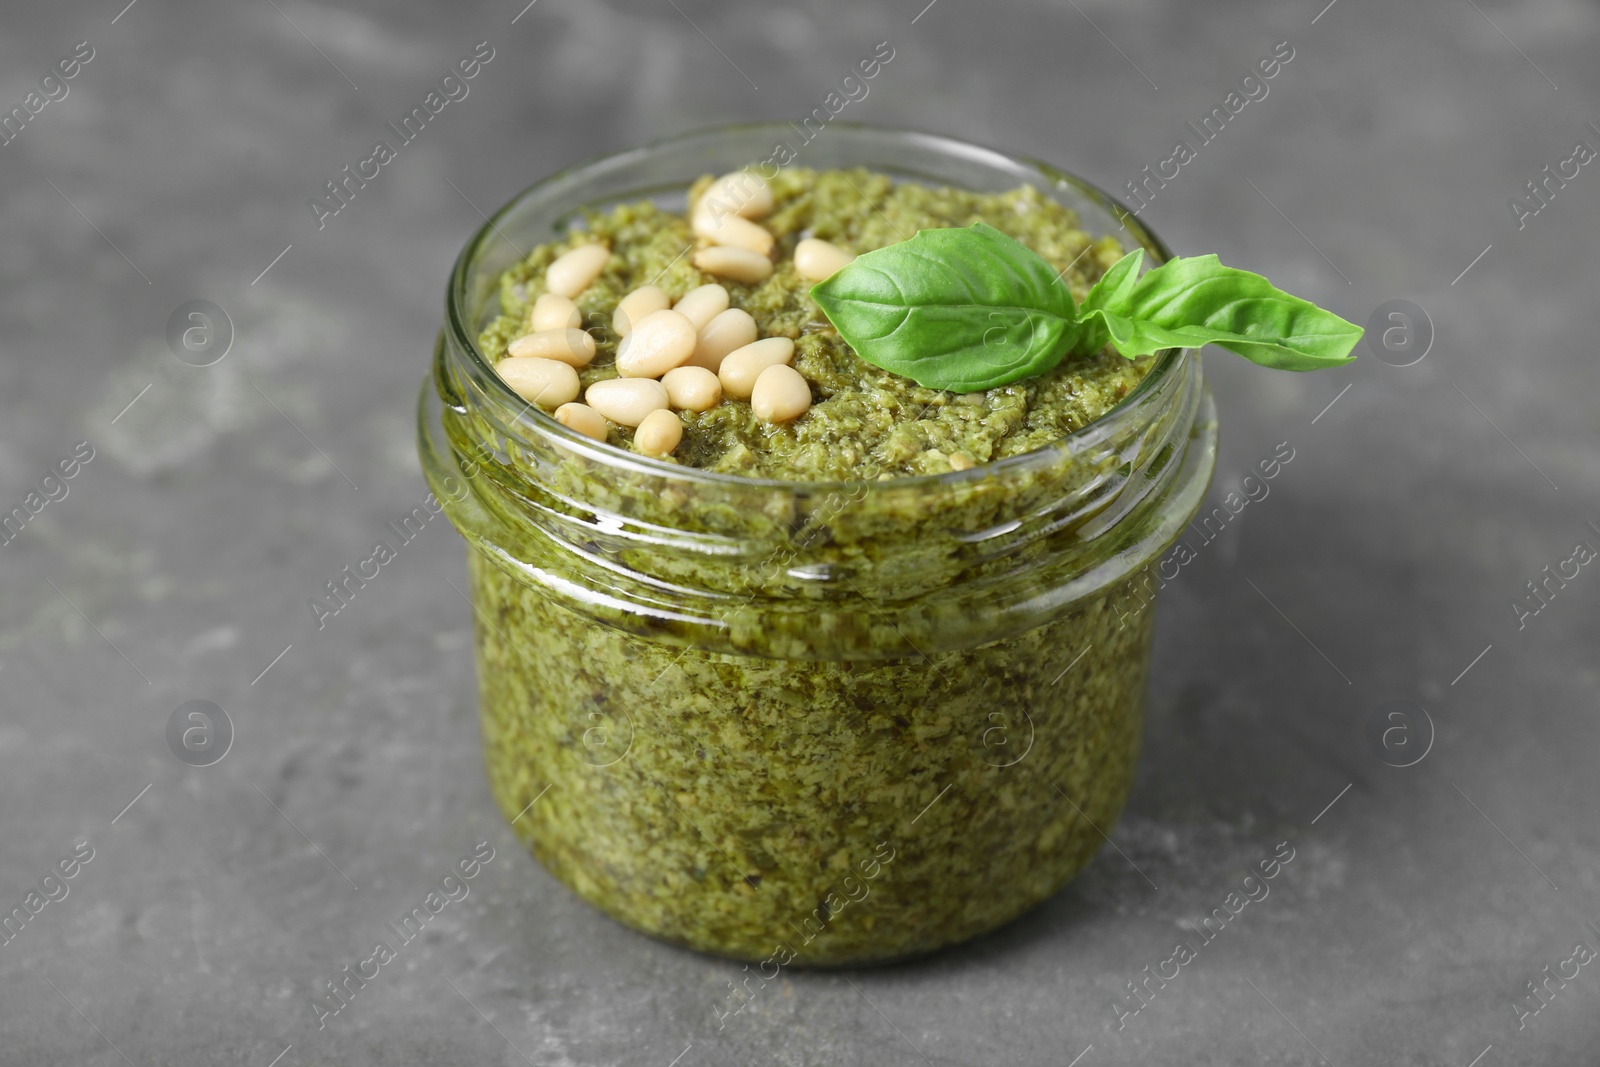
(733, 329)
(816, 259)
(692, 388)
(636, 305)
(736, 264)
(583, 419)
(960, 461)
(572, 347)
(662, 340)
(741, 367)
(572, 271)
(626, 401)
(659, 433)
(546, 382)
(781, 394)
(740, 193)
(702, 305)
(732, 231)
(554, 312)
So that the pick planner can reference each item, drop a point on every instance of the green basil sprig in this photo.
(970, 309)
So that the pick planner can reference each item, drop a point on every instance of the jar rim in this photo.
(530, 417)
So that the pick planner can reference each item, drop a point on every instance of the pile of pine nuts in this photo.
(684, 355)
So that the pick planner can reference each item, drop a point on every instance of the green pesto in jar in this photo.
(862, 418)
(817, 784)
(745, 806)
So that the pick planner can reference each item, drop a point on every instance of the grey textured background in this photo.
(179, 564)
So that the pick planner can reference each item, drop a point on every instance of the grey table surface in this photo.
(1384, 565)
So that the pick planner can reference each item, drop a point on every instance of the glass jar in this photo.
(813, 723)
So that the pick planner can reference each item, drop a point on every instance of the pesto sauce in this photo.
(791, 792)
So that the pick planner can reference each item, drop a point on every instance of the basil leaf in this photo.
(963, 309)
(1189, 302)
(1114, 287)
(970, 309)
